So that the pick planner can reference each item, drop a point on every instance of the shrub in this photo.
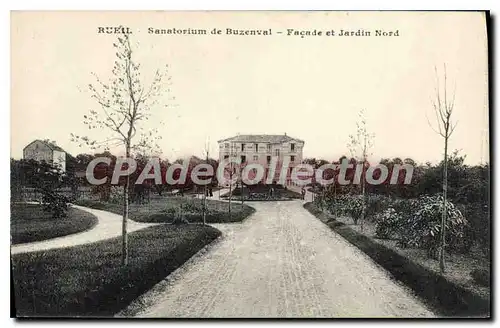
(423, 228)
(348, 205)
(479, 218)
(116, 195)
(388, 224)
(352, 205)
(405, 207)
(376, 204)
(481, 276)
(178, 214)
(192, 208)
(54, 203)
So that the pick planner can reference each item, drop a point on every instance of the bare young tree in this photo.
(241, 184)
(443, 109)
(125, 106)
(205, 191)
(231, 171)
(359, 146)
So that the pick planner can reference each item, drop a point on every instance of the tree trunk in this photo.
(205, 206)
(125, 215)
(363, 193)
(124, 223)
(363, 185)
(443, 217)
(242, 196)
(230, 193)
(335, 197)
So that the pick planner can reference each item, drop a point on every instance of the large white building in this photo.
(41, 150)
(262, 149)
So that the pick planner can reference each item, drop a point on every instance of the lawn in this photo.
(89, 280)
(165, 209)
(261, 193)
(200, 190)
(29, 223)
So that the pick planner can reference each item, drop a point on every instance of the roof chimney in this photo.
(285, 134)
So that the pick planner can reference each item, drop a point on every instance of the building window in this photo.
(226, 156)
(292, 158)
(269, 147)
(277, 152)
(268, 159)
(242, 147)
(226, 145)
(255, 157)
(243, 158)
(256, 147)
(292, 147)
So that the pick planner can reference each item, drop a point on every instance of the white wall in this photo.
(38, 151)
(59, 158)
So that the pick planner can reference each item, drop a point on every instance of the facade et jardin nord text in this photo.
(302, 33)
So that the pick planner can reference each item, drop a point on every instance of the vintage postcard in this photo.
(260, 164)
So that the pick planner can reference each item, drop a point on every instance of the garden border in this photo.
(42, 235)
(260, 200)
(446, 297)
(125, 285)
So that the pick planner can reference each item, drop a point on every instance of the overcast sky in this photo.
(310, 88)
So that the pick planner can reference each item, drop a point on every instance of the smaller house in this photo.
(44, 150)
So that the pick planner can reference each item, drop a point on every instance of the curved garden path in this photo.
(108, 226)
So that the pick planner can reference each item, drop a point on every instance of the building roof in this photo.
(264, 138)
(51, 145)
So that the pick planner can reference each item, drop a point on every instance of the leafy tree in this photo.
(45, 178)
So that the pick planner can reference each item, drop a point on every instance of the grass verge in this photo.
(30, 223)
(89, 280)
(278, 192)
(446, 297)
(238, 199)
(165, 209)
(263, 195)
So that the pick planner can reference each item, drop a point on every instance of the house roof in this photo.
(264, 138)
(51, 145)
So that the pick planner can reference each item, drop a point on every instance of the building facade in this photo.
(267, 150)
(40, 150)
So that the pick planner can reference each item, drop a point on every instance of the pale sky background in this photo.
(311, 88)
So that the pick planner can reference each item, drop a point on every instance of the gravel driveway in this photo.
(281, 262)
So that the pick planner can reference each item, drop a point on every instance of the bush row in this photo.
(415, 223)
(191, 213)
